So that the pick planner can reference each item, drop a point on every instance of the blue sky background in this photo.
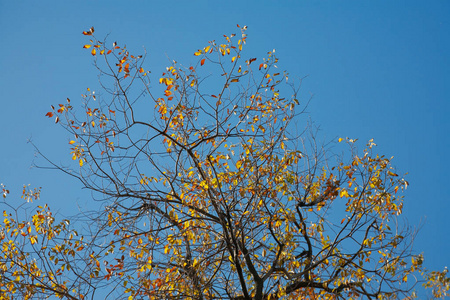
(377, 69)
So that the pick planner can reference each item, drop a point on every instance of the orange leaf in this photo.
(93, 52)
(90, 32)
(202, 62)
(49, 114)
(141, 70)
(235, 80)
(260, 66)
(109, 51)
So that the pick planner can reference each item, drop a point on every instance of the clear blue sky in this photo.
(377, 69)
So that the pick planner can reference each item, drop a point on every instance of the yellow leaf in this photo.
(93, 52)
(340, 140)
(199, 52)
(239, 164)
(72, 142)
(206, 49)
(87, 46)
(81, 162)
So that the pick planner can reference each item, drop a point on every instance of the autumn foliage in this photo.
(212, 188)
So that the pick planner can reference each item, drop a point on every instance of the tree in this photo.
(209, 189)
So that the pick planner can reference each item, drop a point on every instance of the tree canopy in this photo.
(212, 185)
